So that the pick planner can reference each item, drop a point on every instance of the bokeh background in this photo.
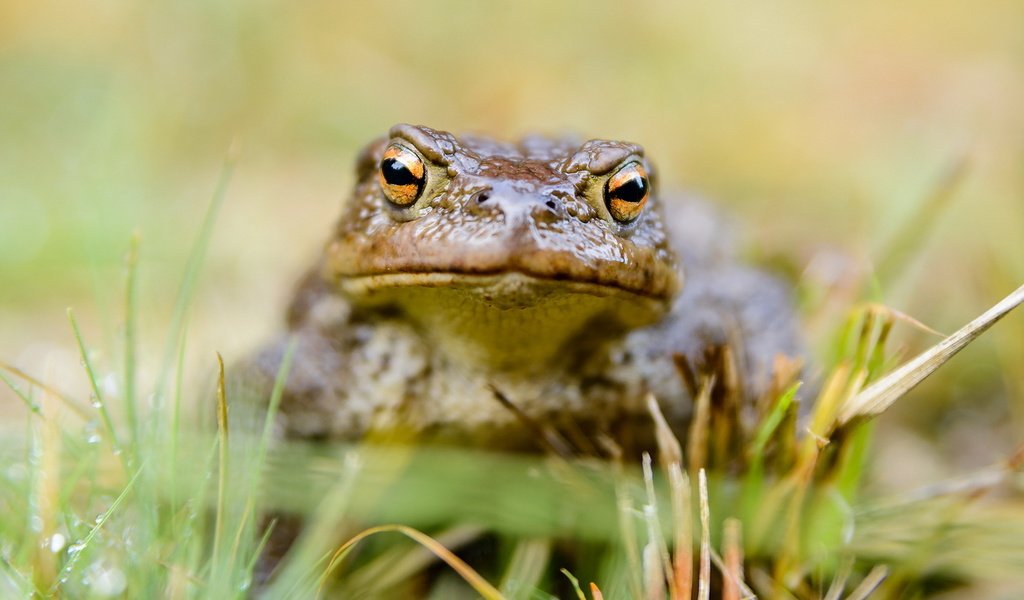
(822, 127)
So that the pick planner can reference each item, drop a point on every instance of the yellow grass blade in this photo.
(482, 587)
(222, 472)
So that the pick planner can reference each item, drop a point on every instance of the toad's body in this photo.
(548, 270)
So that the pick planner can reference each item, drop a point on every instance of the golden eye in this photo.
(402, 175)
(626, 193)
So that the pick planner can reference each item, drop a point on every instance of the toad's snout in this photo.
(516, 207)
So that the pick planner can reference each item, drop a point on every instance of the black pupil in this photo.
(633, 190)
(396, 173)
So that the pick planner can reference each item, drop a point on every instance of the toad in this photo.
(473, 289)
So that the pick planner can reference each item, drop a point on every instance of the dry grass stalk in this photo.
(725, 424)
(654, 575)
(654, 534)
(891, 313)
(682, 517)
(880, 395)
(550, 438)
(669, 449)
(746, 593)
(698, 442)
(972, 485)
(670, 454)
(872, 581)
(835, 590)
(47, 488)
(704, 579)
(732, 575)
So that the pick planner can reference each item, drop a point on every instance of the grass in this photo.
(816, 123)
(106, 498)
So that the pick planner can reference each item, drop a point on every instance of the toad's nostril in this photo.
(551, 204)
(481, 197)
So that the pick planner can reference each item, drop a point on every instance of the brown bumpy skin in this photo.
(499, 266)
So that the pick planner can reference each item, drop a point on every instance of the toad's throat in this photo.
(507, 321)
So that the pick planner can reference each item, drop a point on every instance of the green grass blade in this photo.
(192, 269)
(526, 567)
(275, 401)
(32, 405)
(772, 421)
(302, 573)
(81, 546)
(898, 252)
(68, 401)
(175, 428)
(100, 402)
(575, 584)
(130, 348)
(25, 586)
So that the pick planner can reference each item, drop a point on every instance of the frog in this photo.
(480, 291)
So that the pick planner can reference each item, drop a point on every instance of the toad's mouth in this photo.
(506, 266)
(514, 287)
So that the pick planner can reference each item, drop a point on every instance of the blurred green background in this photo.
(821, 126)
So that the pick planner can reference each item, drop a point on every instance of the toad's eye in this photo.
(402, 175)
(626, 192)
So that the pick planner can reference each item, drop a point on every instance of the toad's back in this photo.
(549, 270)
